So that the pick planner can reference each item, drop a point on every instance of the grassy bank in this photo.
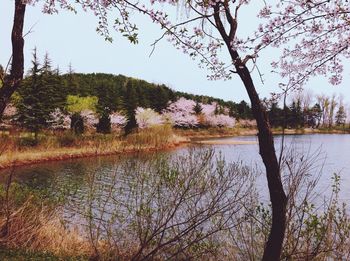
(17, 150)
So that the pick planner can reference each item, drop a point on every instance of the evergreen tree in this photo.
(296, 117)
(244, 111)
(104, 124)
(197, 108)
(77, 124)
(72, 83)
(36, 103)
(340, 116)
(160, 98)
(276, 115)
(130, 106)
(53, 84)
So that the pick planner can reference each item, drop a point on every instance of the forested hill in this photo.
(118, 92)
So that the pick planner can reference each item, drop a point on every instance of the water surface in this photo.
(329, 152)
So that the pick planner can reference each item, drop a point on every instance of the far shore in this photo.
(182, 138)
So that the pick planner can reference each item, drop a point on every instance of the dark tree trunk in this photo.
(13, 80)
(273, 247)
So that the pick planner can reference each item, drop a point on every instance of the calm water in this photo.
(330, 154)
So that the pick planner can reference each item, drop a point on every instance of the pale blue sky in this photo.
(72, 38)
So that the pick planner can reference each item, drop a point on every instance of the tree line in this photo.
(45, 89)
(308, 111)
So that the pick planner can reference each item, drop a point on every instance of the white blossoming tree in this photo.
(118, 121)
(59, 120)
(146, 118)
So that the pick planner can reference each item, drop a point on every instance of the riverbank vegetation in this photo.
(212, 210)
(25, 148)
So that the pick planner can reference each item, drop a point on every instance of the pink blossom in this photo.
(90, 118)
(118, 120)
(181, 119)
(59, 120)
(10, 111)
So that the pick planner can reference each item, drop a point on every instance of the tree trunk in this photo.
(273, 247)
(278, 198)
(13, 80)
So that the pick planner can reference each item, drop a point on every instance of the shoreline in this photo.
(28, 158)
(31, 157)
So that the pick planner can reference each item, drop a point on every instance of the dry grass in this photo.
(37, 228)
(62, 146)
(156, 137)
(214, 132)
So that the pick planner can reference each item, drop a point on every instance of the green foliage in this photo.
(39, 95)
(76, 104)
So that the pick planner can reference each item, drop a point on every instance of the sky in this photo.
(72, 38)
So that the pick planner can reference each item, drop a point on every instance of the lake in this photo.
(329, 152)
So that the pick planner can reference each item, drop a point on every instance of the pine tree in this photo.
(197, 108)
(72, 84)
(296, 117)
(35, 106)
(77, 124)
(104, 124)
(130, 106)
(340, 117)
(53, 84)
(160, 98)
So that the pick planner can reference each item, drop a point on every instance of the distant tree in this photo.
(276, 115)
(77, 123)
(340, 117)
(296, 117)
(244, 111)
(118, 121)
(130, 106)
(59, 120)
(104, 123)
(181, 114)
(71, 81)
(197, 108)
(76, 105)
(315, 116)
(146, 118)
(160, 98)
